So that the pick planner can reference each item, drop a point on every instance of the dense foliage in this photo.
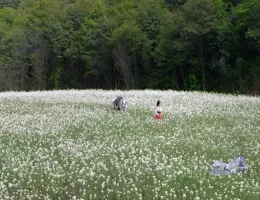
(209, 45)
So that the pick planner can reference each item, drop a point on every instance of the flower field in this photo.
(73, 145)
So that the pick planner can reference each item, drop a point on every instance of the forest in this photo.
(202, 45)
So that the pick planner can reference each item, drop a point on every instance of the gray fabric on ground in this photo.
(236, 166)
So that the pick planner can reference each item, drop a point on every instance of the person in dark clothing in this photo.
(118, 102)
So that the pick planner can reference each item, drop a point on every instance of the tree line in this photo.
(207, 45)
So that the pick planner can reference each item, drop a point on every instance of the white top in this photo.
(158, 109)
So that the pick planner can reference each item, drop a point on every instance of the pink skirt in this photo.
(158, 116)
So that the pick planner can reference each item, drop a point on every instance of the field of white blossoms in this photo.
(73, 145)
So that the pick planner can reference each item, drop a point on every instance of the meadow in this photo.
(73, 145)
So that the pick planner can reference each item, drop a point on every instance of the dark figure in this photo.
(117, 102)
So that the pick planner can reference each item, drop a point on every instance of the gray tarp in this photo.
(236, 166)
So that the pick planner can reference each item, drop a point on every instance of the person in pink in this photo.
(158, 111)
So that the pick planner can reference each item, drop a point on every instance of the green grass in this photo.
(90, 151)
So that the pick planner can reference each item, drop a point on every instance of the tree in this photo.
(172, 55)
(152, 15)
(8, 70)
(128, 43)
(203, 20)
(246, 20)
(93, 48)
(190, 39)
(9, 3)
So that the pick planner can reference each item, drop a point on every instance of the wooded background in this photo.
(207, 45)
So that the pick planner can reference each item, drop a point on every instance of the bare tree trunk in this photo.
(124, 63)
(203, 76)
(3, 78)
(39, 68)
(183, 79)
(174, 79)
(202, 63)
(135, 82)
(104, 67)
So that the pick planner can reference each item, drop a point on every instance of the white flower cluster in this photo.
(73, 145)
